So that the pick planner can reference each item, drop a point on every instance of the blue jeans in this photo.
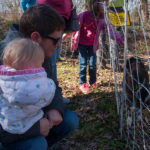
(37, 143)
(69, 124)
(85, 53)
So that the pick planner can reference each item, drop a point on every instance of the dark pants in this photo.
(86, 53)
(69, 124)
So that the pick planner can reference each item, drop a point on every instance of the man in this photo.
(43, 25)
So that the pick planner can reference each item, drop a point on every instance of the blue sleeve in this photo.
(30, 3)
(23, 4)
(26, 3)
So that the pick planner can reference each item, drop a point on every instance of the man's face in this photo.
(49, 44)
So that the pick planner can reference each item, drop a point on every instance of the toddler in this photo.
(24, 86)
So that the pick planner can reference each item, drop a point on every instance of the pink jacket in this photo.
(63, 7)
(100, 24)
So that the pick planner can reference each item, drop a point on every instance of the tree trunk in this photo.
(87, 4)
(145, 12)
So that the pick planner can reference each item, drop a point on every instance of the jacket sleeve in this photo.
(76, 35)
(115, 35)
(23, 4)
(8, 138)
(57, 102)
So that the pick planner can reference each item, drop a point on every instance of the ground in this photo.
(97, 111)
(99, 121)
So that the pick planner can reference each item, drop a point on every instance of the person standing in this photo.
(86, 40)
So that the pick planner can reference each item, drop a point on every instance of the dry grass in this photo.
(99, 122)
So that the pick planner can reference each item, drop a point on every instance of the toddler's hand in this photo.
(44, 126)
(54, 117)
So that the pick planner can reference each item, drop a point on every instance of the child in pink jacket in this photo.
(87, 42)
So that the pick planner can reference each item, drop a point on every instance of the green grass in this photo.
(99, 122)
(9, 23)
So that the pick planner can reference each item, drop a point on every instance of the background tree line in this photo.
(10, 9)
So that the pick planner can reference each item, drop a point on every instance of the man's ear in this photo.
(35, 36)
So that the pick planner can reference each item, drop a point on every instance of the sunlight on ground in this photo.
(99, 122)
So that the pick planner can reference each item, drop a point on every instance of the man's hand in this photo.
(44, 126)
(54, 117)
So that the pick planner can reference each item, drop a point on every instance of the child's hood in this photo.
(27, 88)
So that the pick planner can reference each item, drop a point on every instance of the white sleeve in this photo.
(31, 91)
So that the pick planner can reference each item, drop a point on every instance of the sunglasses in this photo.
(55, 41)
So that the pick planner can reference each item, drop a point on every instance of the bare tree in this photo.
(87, 4)
(80, 5)
(10, 9)
(145, 11)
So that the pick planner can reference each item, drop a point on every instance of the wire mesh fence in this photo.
(132, 84)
